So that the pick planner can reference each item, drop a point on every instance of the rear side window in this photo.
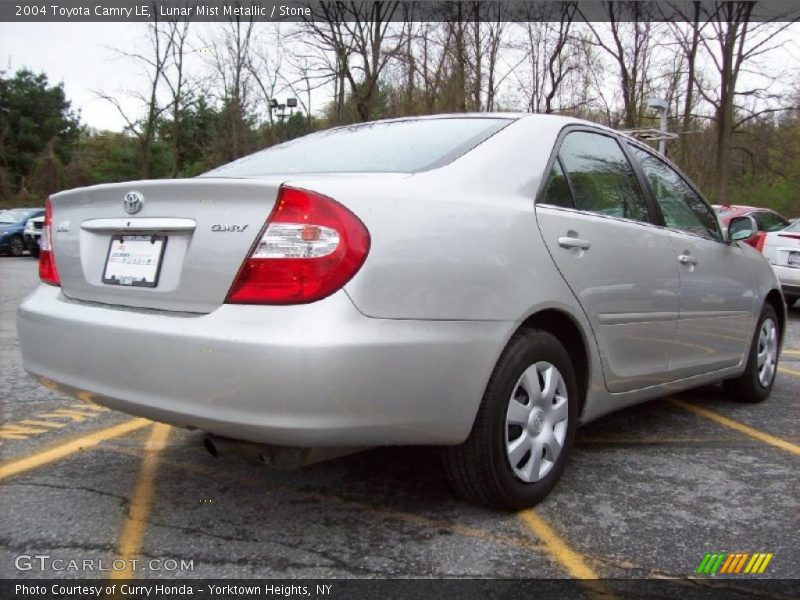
(682, 208)
(393, 147)
(556, 192)
(602, 179)
(769, 221)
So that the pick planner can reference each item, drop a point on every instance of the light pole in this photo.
(274, 105)
(662, 107)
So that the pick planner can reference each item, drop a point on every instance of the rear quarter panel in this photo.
(461, 242)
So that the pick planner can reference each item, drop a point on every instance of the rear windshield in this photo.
(393, 147)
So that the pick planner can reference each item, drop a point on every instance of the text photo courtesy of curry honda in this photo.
(302, 298)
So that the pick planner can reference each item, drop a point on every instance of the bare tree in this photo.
(630, 29)
(230, 58)
(551, 56)
(175, 78)
(160, 43)
(359, 35)
(734, 41)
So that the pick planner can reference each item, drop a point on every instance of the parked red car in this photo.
(766, 219)
(778, 239)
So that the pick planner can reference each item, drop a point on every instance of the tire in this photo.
(480, 469)
(790, 300)
(755, 384)
(35, 251)
(16, 246)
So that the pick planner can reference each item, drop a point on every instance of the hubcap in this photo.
(767, 356)
(16, 246)
(536, 421)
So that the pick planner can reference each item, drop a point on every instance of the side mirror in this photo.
(742, 229)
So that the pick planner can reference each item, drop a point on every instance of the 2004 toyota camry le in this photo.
(481, 282)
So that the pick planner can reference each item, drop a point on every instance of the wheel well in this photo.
(776, 300)
(561, 325)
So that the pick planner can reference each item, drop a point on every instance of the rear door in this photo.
(597, 225)
(716, 286)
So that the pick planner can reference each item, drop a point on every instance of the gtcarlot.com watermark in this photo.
(47, 562)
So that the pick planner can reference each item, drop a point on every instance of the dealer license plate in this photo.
(134, 260)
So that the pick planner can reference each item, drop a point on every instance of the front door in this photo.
(716, 286)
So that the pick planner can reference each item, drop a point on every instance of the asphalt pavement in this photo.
(648, 492)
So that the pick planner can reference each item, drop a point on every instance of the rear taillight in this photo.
(311, 246)
(758, 240)
(48, 272)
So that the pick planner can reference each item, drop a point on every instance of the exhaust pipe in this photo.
(284, 458)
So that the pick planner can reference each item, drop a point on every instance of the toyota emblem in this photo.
(133, 202)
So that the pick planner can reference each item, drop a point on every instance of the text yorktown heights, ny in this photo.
(172, 590)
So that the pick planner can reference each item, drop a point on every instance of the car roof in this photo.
(512, 116)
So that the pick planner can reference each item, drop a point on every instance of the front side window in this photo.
(682, 208)
(602, 179)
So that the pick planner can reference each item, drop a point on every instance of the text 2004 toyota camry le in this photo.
(480, 282)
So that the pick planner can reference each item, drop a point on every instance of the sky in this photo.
(81, 56)
(76, 54)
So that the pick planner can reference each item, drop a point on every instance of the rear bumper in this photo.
(789, 278)
(312, 375)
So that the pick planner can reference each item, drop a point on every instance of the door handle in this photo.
(687, 259)
(573, 242)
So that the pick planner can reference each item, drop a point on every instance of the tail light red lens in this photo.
(758, 240)
(310, 248)
(48, 272)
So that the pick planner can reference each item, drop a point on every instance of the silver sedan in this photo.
(481, 282)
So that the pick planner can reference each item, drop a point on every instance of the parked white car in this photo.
(782, 249)
(778, 239)
(33, 234)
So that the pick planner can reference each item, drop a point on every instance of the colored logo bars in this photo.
(734, 563)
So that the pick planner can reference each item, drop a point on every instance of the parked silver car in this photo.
(480, 282)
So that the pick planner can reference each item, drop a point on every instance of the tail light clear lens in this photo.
(310, 248)
(48, 272)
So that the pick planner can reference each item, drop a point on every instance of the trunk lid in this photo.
(207, 225)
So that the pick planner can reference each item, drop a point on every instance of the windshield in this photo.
(14, 215)
(390, 147)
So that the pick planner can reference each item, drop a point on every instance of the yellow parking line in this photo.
(523, 543)
(737, 426)
(793, 372)
(130, 541)
(38, 459)
(792, 352)
(572, 562)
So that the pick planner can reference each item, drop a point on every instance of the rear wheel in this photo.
(523, 432)
(16, 246)
(755, 384)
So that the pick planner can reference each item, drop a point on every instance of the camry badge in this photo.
(133, 202)
(232, 227)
